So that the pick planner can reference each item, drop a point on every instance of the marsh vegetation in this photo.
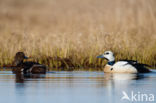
(71, 33)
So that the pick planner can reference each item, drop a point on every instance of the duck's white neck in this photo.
(111, 59)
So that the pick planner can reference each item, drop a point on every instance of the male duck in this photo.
(123, 66)
(27, 67)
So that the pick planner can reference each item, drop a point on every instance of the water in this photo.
(74, 87)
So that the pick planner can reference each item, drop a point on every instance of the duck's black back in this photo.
(142, 68)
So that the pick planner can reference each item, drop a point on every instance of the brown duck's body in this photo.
(27, 67)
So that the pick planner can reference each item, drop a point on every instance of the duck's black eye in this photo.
(107, 53)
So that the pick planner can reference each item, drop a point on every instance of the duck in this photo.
(122, 66)
(27, 67)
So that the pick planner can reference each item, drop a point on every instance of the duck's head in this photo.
(107, 55)
(19, 57)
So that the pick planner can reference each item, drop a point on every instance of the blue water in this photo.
(75, 87)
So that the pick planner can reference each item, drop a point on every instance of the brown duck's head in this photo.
(19, 57)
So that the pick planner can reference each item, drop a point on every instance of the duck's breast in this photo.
(108, 69)
(124, 67)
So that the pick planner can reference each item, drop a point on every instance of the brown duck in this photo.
(27, 67)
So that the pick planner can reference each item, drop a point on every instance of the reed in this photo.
(71, 33)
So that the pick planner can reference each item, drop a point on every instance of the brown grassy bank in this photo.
(77, 31)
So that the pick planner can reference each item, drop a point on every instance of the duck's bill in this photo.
(26, 57)
(100, 56)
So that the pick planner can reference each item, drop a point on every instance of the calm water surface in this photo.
(74, 87)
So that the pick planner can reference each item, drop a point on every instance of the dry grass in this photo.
(78, 30)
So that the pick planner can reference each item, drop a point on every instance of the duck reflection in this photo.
(119, 80)
(21, 78)
(123, 76)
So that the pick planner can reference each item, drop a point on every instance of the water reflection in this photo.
(20, 78)
(109, 79)
(122, 76)
(72, 87)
